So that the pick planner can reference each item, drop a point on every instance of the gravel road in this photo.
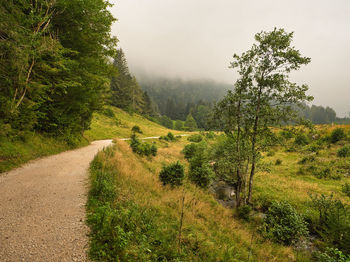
(42, 208)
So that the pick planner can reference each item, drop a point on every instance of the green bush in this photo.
(172, 174)
(171, 136)
(244, 211)
(136, 129)
(344, 151)
(337, 135)
(143, 149)
(307, 159)
(301, 140)
(200, 171)
(278, 162)
(333, 223)
(286, 134)
(108, 112)
(210, 135)
(346, 189)
(196, 138)
(331, 255)
(283, 224)
(270, 153)
(189, 150)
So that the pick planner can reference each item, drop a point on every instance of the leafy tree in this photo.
(190, 123)
(268, 94)
(200, 171)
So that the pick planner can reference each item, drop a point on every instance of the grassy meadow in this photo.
(210, 232)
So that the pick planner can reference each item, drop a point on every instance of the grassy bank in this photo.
(134, 218)
(106, 124)
(15, 151)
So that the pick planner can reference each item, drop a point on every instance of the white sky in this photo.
(197, 38)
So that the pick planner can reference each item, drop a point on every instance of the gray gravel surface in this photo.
(42, 208)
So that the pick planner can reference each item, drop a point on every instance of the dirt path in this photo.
(42, 208)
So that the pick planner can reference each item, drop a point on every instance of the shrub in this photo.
(278, 162)
(301, 140)
(189, 150)
(171, 136)
(196, 138)
(136, 129)
(200, 171)
(168, 137)
(283, 224)
(270, 153)
(244, 211)
(142, 148)
(108, 112)
(172, 174)
(331, 255)
(210, 135)
(333, 223)
(287, 134)
(346, 189)
(307, 159)
(337, 135)
(344, 151)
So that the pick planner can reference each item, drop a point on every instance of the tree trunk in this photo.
(255, 129)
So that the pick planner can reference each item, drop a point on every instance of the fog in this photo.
(195, 39)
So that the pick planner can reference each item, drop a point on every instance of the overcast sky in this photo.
(195, 39)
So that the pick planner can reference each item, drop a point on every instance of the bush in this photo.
(286, 134)
(301, 140)
(108, 112)
(270, 153)
(189, 150)
(171, 136)
(168, 137)
(331, 255)
(244, 211)
(200, 171)
(307, 159)
(210, 135)
(136, 129)
(283, 224)
(172, 174)
(337, 135)
(344, 151)
(333, 223)
(278, 162)
(143, 149)
(346, 189)
(196, 138)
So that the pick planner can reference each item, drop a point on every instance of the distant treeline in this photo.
(177, 99)
(322, 115)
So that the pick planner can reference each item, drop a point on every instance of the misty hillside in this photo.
(176, 97)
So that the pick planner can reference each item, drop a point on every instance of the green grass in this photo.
(133, 217)
(119, 126)
(19, 150)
